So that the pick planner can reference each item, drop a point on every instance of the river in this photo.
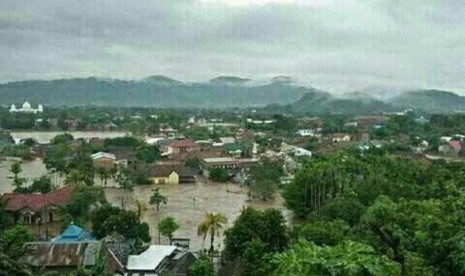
(45, 137)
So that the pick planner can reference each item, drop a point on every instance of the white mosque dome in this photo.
(27, 105)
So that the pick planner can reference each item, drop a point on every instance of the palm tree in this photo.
(212, 223)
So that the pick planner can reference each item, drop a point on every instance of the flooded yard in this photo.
(30, 171)
(188, 203)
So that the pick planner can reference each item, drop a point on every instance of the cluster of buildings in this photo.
(26, 108)
(75, 247)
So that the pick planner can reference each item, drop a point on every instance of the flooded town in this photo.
(232, 138)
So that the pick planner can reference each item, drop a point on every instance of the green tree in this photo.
(348, 258)
(16, 170)
(201, 267)
(211, 224)
(323, 232)
(347, 208)
(256, 259)
(42, 185)
(99, 216)
(147, 153)
(10, 266)
(62, 139)
(5, 218)
(108, 219)
(192, 162)
(82, 201)
(219, 174)
(167, 227)
(12, 240)
(268, 226)
(157, 198)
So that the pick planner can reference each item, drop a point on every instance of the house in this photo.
(421, 120)
(305, 132)
(371, 120)
(179, 148)
(451, 147)
(155, 140)
(301, 152)
(125, 155)
(37, 208)
(228, 163)
(73, 233)
(227, 140)
(104, 160)
(351, 124)
(340, 137)
(160, 260)
(68, 256)
(172, 174)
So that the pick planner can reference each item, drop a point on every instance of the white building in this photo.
(26, 108)
(305, 132)
(302, 152)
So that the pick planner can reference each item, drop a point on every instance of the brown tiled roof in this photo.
(16, 201)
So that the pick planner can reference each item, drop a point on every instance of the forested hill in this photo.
(431, 100)
(280, 94)
(318, 102)
(155, 91)
(428, 101)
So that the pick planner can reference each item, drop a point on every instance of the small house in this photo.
(160, 260)
(340, 137)
(451, 148)
(62, 258)
(37, 208)
(227, 163)
(172, 174)
(104, 160)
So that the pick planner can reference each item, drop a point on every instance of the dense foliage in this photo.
(408, 210)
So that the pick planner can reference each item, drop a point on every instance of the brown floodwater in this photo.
(187, 203)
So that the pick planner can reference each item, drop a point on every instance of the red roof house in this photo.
(35, 202)
(178, 147)
(37, 208)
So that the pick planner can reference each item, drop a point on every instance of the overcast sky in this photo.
(331, 44)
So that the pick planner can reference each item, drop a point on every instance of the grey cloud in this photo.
(343, 45)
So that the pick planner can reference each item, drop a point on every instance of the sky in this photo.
(334, 45)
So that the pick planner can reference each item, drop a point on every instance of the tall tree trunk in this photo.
(212, 239)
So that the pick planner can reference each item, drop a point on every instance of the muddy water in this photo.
(30, 170)
(188, 203)
(44, 137)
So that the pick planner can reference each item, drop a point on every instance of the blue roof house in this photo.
(74, 233)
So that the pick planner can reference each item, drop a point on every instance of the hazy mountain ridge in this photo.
(279, 94)
(154, 91)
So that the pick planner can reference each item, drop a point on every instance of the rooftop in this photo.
(151, 258)
(101, 154)
(73, 233)
(50, 254)
(186, 143)
(219, 160)
(37, 201)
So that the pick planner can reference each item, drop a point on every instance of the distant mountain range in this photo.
(280, 94)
